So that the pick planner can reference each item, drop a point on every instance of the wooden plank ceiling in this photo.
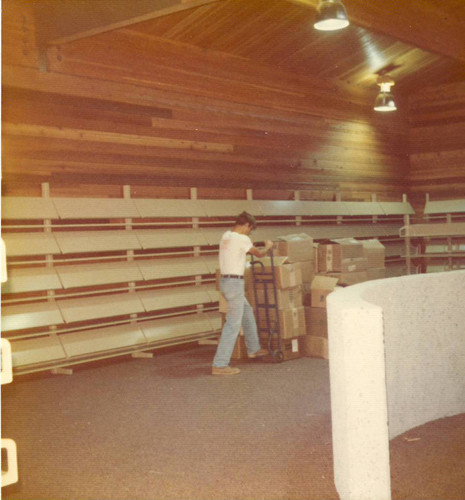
(417, 45)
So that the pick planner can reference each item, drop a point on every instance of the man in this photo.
(234, 246)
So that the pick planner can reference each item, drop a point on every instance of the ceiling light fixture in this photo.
(384, 100)
(331, 16)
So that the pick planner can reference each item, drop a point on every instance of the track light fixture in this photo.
(384, 100)
(331, 16)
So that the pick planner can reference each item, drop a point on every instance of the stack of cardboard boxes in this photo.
(339, 263)
(305, 275)
(375, 253)
(287, 311)
(294, 268)
(299, 248)
(315, 342)
(343, 259)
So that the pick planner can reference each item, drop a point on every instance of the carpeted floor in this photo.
(164, 428)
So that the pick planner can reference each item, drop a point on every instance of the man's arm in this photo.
(257, 252)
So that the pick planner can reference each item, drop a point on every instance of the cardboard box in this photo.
(315, 256)
(376, 273)
(307, 270)
(314, 347)
(316, 321)
(350, 278)
(331, 255)
(296, 247)
(375, 252)
(291, 321)
(287, 275)
(288, 298)
(306, 294)
(321, 287)
(290, 348)
(265, 262)
(354, 265)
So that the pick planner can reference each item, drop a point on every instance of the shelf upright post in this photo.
(195, 225)
(407, 239)
(45, 188)
(426, 217)
(298, 218)
(374, 199)
(338, 198)
(450, 260)
(129, 253)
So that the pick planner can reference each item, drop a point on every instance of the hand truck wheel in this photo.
(278, 356)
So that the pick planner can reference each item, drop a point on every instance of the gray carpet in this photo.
(164, 428)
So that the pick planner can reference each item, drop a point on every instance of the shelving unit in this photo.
(92, 278)
(439, 241)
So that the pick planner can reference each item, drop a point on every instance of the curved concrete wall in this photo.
(397, 360)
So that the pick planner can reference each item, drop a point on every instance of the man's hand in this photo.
(261, 252)
(268, 245)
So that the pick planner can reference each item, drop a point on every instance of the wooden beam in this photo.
(437, 27)
(62, 21)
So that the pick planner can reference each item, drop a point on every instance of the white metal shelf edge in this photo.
(445, 206)
(31, 280)
(24, 316)
(170, 328)
(433, 229)
(22, 207)
(37, 350)
(102, 339)
(17, 208)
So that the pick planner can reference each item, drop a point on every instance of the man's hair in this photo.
(246, 218)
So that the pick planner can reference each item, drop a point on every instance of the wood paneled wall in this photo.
(123, 108)
(437, 143)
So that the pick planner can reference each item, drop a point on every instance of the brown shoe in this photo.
(224, 370)
(258, 354)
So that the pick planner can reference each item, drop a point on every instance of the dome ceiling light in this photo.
(331, 16)
(384, 100)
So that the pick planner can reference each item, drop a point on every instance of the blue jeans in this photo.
(240, 313)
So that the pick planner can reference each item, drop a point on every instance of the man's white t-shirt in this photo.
(233, 251)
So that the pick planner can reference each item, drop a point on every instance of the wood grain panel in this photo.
(26, 130)
(130, 108)
(298, 134)
(279, 34)
(384, 16)
(18, 34)
(437, 142)
(70, 20)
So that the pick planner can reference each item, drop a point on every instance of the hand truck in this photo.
(268, 327)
